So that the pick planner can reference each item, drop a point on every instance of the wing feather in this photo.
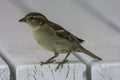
(64, 33)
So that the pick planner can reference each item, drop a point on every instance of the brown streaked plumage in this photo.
(64, 33)
(53, 37)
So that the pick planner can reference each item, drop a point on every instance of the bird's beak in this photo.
(22, 20)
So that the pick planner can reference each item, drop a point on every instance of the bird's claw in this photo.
(60, 64)
(47, 62)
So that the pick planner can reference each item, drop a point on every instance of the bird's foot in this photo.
(47, 62)
(60, 64)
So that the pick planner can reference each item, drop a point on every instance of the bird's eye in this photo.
(31, 18)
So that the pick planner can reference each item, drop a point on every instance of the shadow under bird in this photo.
(53, 37)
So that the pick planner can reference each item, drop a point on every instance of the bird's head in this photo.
(34, 19)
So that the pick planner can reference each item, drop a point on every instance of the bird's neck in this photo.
(36, 28)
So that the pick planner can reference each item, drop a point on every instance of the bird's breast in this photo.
(52, 42)
(45, 39)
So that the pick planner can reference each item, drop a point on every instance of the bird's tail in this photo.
(82, 49)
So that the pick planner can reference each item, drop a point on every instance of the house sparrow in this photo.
(53, 37)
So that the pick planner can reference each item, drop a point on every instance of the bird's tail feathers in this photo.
(82, 49)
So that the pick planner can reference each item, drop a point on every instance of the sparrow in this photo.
(54, 38)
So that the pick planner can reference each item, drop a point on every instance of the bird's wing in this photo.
(64, 33)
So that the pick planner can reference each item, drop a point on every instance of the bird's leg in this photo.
(64, 61)
(50, 60)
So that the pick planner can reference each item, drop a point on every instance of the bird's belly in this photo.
(53, 43)
(45, 42)
(63, 46)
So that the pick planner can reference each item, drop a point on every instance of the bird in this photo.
(54, 38)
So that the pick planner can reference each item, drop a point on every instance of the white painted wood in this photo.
(4, 71)
(70, 71)
(106, 71)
